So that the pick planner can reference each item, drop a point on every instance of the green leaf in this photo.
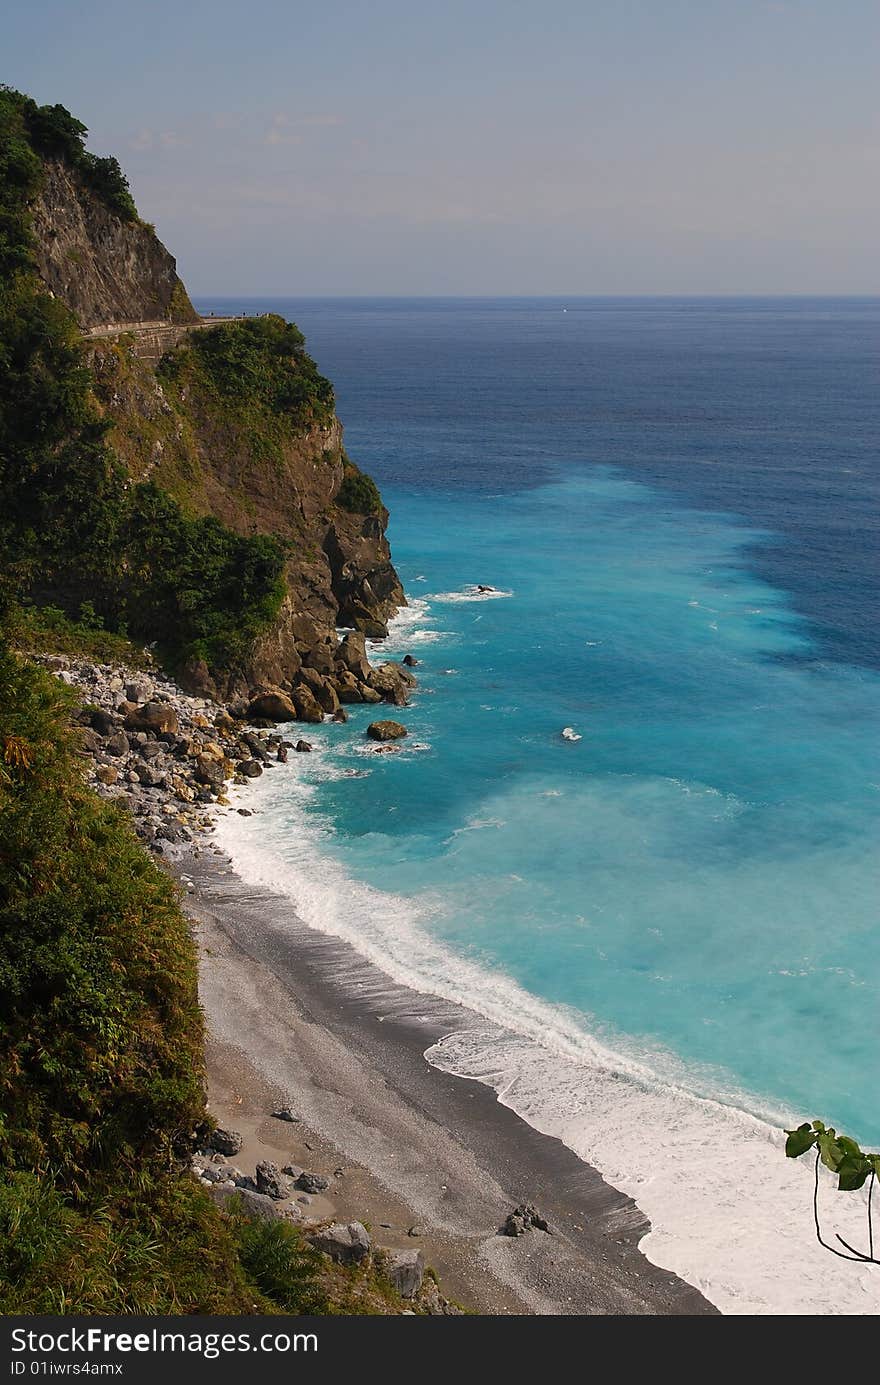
(799, 1141)
(849, 1147)
(852, 1174)
(830, 1151)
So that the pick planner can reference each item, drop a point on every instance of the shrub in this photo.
(358, 492)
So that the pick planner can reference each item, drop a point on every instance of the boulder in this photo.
(353, 654)
(321, 658)
(90, 741)
(386, 731)
(312, 1182)
(117, 744)
(346, 1244)
(523, 1218)
(150, 776)
(410, 661)
(254, 1205)
(102, 721)
(106, 774)
(307, 706)
(209, 771)
(348, 689)
(140, 691)
(340, 715)
(302, 747)
(173, 832)
(152, 716)
(224, 1141)
(251, 768)
(369, 694)
(404, 1270)
(285, 1113)
(271, 1182)
(272, 705)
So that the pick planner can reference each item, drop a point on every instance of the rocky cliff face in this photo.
(258, 468)
(104, 268)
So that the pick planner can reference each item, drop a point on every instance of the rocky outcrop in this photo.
(279, 474)
(104, 268)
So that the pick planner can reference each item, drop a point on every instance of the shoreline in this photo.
(331, 1035)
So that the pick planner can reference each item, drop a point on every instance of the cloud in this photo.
(286, 129)
(157, 139)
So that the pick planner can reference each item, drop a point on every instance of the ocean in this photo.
(664, 920)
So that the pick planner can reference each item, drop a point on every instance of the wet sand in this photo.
(298, 1018)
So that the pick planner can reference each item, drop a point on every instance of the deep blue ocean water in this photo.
(678, 500)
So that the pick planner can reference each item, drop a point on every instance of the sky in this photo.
(490, 147)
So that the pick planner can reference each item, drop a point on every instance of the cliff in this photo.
(103, 267)
(190, 485)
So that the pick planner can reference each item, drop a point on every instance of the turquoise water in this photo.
(677, 506)
(699, 870)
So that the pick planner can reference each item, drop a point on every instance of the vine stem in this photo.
(856, 1255)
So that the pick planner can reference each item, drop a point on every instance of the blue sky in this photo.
(530, 146)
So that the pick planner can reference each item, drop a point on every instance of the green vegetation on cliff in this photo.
(52, 131)
(72, 527)
(100, 1046)
(101, 1064)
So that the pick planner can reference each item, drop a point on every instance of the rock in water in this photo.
(386, 730)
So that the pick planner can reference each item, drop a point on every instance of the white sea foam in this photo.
(470, 593)
(729, 1213)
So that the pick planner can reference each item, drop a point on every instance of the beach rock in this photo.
(273, 705)
(102, 721)
(386, 730)
(138, 692)
(90, 741)
(173, 832)
(209, 771)
(251, 768)
(271, 1182)
(302, 747)
(410, 661)
(254, 1205)
(523, 1218)
(369, 694)
(151, 778)
(224, 1141)
(347, 1245)
(340, 715)
(285, 1113)
(152, 716)
(312, 1182)
(404, 1270)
